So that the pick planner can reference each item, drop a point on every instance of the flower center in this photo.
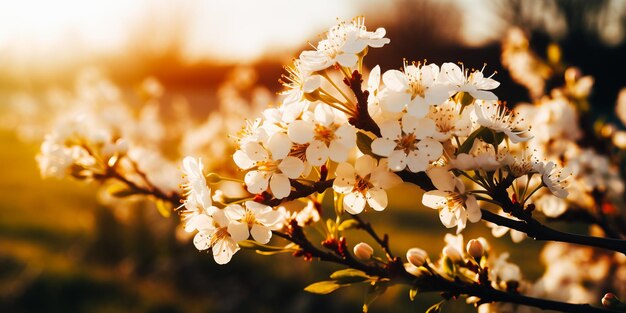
(406, 143)
(362, 184)
(455, 200)
(249, 218)
(267, 166)
(299, 151)
(220, 234)
(324, 134)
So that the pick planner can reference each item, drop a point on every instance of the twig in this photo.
(301, 192)
(362, 119)
(383, 242)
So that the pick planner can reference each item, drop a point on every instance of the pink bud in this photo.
(475, 249)
(416, 256)
(610, 300)
(363, 251)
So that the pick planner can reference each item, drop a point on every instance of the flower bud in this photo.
(475, 249)
(416, 256)
(363, 251)
(213, 178)
(611, 301)
(452, 253)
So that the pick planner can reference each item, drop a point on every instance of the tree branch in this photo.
(362, 120)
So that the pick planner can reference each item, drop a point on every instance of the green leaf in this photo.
(348, 224)
(331, 225)
(448, 266)
(323, 287)
(349, 276)
(412, 293)
(436, 308)
(338, 204)
(261, 248)
(469, 142)
(364, 142)
(120, 190)
(373, 293)
(163, 208)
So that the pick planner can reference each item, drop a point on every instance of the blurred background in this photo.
(63, 248)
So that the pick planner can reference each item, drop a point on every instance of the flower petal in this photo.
(261, 234)
(365, 165)
(383, 147)
(354, 202)
(292, 167)
(300, 132)
(256, 181)
(238, 231)
(280, 186)
(377, 199)
(397, 160)
(279, 145)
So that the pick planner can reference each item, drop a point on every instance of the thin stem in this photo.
(383, 242)
(345, 96)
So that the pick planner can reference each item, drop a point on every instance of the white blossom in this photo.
(366, 182)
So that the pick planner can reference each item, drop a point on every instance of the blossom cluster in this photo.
(441, 127)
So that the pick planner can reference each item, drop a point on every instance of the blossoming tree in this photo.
(337, 138)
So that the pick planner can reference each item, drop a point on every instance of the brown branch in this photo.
(362, 119)
(301, 192)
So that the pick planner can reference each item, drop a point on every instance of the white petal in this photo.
(279, 145)
(242, 160)
(311, 83)
(377, 199)
(430, 149)
(300, 132)
(269, 218)
(437, 94)
(452, 73)
(354, 202)
(373, 81)
(201, 222)
(483, 95)
(257, 181)
(338, 152)
(448, 217)
(397, 160)
(317, 153)
(234, 211)
(426, 128)
(417, 107)
(395, 80)
(473, 211)
(224, 250)
(382, 177)
(390, 129)
(416, 163)
(435, 199)
(238, 231)
(255, 151)
(324, 114)
(383, 147)
(292, 167)
(347, 59)
(346, 135)
(394, 101)
(441, 178)
(202, 240)
(365, 165)
(261, 234)
(280, 186)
